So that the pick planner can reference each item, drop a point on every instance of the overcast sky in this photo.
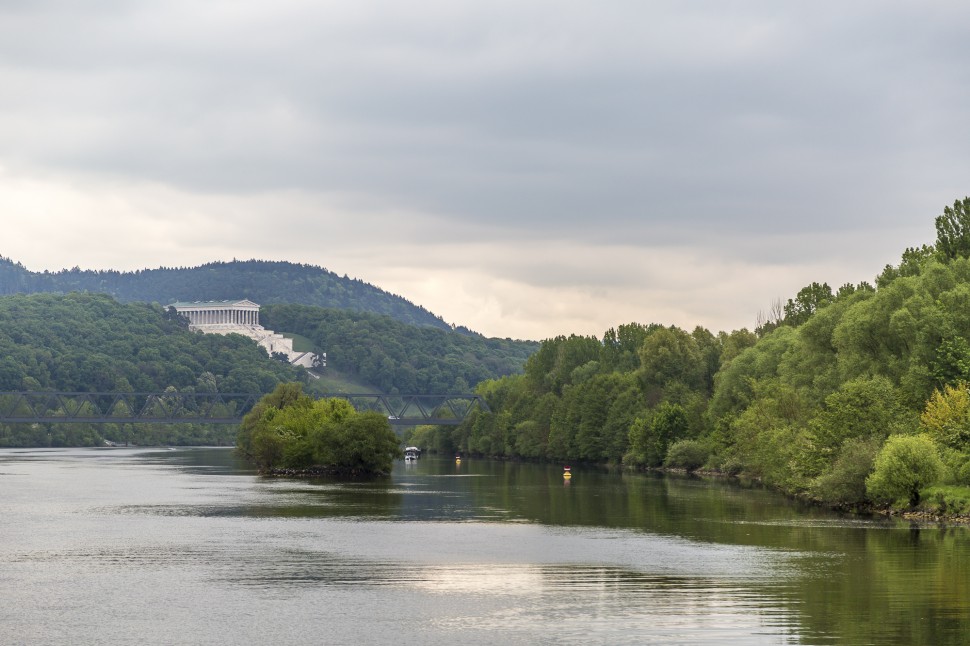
(526, 168)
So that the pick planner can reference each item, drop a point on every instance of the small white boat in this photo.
(412, 453)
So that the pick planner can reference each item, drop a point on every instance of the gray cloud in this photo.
(753, 132)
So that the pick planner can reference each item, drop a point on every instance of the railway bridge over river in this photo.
(32, 407)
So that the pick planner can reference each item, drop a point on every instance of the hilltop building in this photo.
(242, 317)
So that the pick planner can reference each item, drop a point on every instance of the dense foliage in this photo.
(92, 343)
(398, 358)
(291, 431)
(857, 396)
(261, 281)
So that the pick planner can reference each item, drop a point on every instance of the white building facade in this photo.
(242, 317)
(203, 315)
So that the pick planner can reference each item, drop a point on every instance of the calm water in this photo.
(189, 546)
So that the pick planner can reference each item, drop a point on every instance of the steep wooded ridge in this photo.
(396, 357)
(264, 282)
(91, 343)
(856, 397)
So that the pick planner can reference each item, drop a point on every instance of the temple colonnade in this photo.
(206, 313)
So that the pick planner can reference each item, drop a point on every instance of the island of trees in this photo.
(856, 397)
(290, 433)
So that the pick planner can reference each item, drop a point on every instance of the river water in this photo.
(190, 546)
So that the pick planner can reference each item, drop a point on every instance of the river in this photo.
(190, 546)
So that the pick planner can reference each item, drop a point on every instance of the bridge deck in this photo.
(26, 407)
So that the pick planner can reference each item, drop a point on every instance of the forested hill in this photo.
(264, 282)
(90, 343)
(395, 357)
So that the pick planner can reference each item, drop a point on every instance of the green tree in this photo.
(863, 407)
(809, 300)
(651, 436)
(953, 230)
(905, 465)
(845, 482)
(671, 355)
(946, 417)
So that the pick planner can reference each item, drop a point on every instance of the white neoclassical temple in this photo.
(204, 314)
(242, 317)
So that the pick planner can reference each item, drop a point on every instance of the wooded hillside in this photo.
(264, 282)
(398, 358)
(853, 396)
(92, 343)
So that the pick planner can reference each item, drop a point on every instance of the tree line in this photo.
(856, 396)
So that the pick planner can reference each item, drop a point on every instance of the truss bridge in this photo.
(32, 407)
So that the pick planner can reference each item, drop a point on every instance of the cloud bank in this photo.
(524, 168)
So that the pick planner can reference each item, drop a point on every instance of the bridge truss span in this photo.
(32, 407)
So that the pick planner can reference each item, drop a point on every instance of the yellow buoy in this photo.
(566, 473)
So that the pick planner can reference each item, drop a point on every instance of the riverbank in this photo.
(322, 472)
(935, 500)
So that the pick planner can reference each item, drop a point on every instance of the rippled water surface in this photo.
(189, 546)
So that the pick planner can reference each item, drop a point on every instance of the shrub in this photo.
(950, 500)
(687, 454)
(845, 483)
(731, 466)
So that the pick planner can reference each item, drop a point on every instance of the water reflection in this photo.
(482, 552)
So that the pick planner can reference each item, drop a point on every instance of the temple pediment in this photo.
(211, 305)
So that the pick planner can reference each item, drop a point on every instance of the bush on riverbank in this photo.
(946, 500)
(690, 455)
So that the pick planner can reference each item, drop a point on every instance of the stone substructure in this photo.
(242, 317)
